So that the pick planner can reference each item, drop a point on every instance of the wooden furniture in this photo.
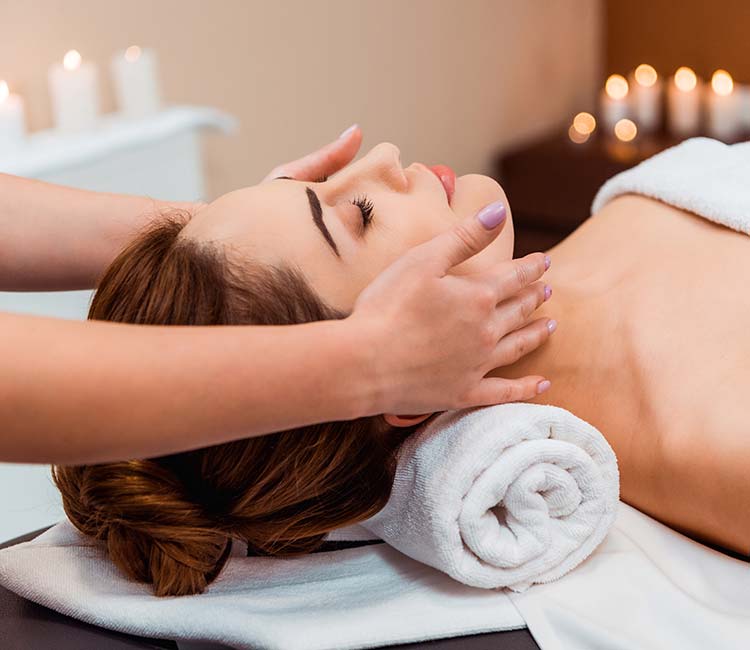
(551, 182)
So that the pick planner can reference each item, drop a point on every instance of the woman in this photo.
(625, 337)
(56, 238)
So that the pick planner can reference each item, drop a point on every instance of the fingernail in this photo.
(552, 325)
(547, 262)
(492, 215)
(547, 292)
(348, 131)
(542, 386)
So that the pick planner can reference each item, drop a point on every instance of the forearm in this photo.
(55, 238)
(73, 392)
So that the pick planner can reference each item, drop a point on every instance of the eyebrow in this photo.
(317, 214)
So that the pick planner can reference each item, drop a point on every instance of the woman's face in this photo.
(319, 227)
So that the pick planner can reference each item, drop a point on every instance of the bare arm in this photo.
(73, 392)
(57, 238)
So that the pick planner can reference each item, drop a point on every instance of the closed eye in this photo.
(366, 208)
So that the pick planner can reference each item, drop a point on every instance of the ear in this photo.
(405, 420)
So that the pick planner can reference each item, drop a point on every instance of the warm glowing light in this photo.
(576, 136)
(4, 91)
(584, 123)
(645, 75)
(685, 79)
(626, 130)
(133, 53)
(72, 60)
(722, 83)
(616, 86)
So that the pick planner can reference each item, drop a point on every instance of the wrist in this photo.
(364, 388)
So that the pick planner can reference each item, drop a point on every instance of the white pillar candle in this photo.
(613, 103)
(12, 122)
(743, 95)
(683, 102)
(646, 97)
(73, 87)
(723, 110)
(136, 83)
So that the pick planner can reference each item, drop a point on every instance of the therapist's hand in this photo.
(434, 336)
(325, 161)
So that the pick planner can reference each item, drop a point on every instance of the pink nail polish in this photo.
(547, 292)
(547, 262)
(542, 386)
(552, 325)
(348, 131)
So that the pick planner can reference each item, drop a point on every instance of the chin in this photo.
(473, 192)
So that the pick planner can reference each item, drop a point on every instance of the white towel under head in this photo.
(503, 496)
(555, 474)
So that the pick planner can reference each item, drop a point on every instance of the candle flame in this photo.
(722, 83)
(685, 79)
(625, 130)
(133, 53)
(584, 123)
(616, 86)
(576, 136)
(645, 75)
(4, 91)
(72, 60)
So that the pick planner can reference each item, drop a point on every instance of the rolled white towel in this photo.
(504, 496)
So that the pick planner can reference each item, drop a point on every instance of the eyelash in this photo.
(365, 207)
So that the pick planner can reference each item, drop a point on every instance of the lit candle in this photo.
(582, 127)
(73, 87)
(625, 130)
(723, 107)
(614, 101)
(12, 123)
(136, 84)
(683, 99)
(646, 91)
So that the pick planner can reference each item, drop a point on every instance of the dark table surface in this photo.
(550, 182)
(27, 626)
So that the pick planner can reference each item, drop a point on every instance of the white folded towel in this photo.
(700, 175)
(508, 495)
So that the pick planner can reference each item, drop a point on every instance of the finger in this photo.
(516, 311)
(465, 239)
(325, 161)
(496, 390)
(518, 344)
(509, 277)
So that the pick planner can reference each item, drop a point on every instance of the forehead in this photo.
(271, 224)
(268, 223)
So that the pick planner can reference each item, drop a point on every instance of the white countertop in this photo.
(47, 151)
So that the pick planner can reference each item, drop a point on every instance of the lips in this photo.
(447, 177)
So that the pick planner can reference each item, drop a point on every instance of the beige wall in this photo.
(447, 80)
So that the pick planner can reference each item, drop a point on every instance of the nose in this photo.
(381, 165)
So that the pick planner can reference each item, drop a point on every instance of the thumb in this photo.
(466, 238)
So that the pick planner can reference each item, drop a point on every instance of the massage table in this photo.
(24, 625)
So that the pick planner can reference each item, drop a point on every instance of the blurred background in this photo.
(445, 80)
(212, 95)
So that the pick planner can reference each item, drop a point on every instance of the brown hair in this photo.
(170, 520)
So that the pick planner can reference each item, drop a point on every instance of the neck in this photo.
(580, 354)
